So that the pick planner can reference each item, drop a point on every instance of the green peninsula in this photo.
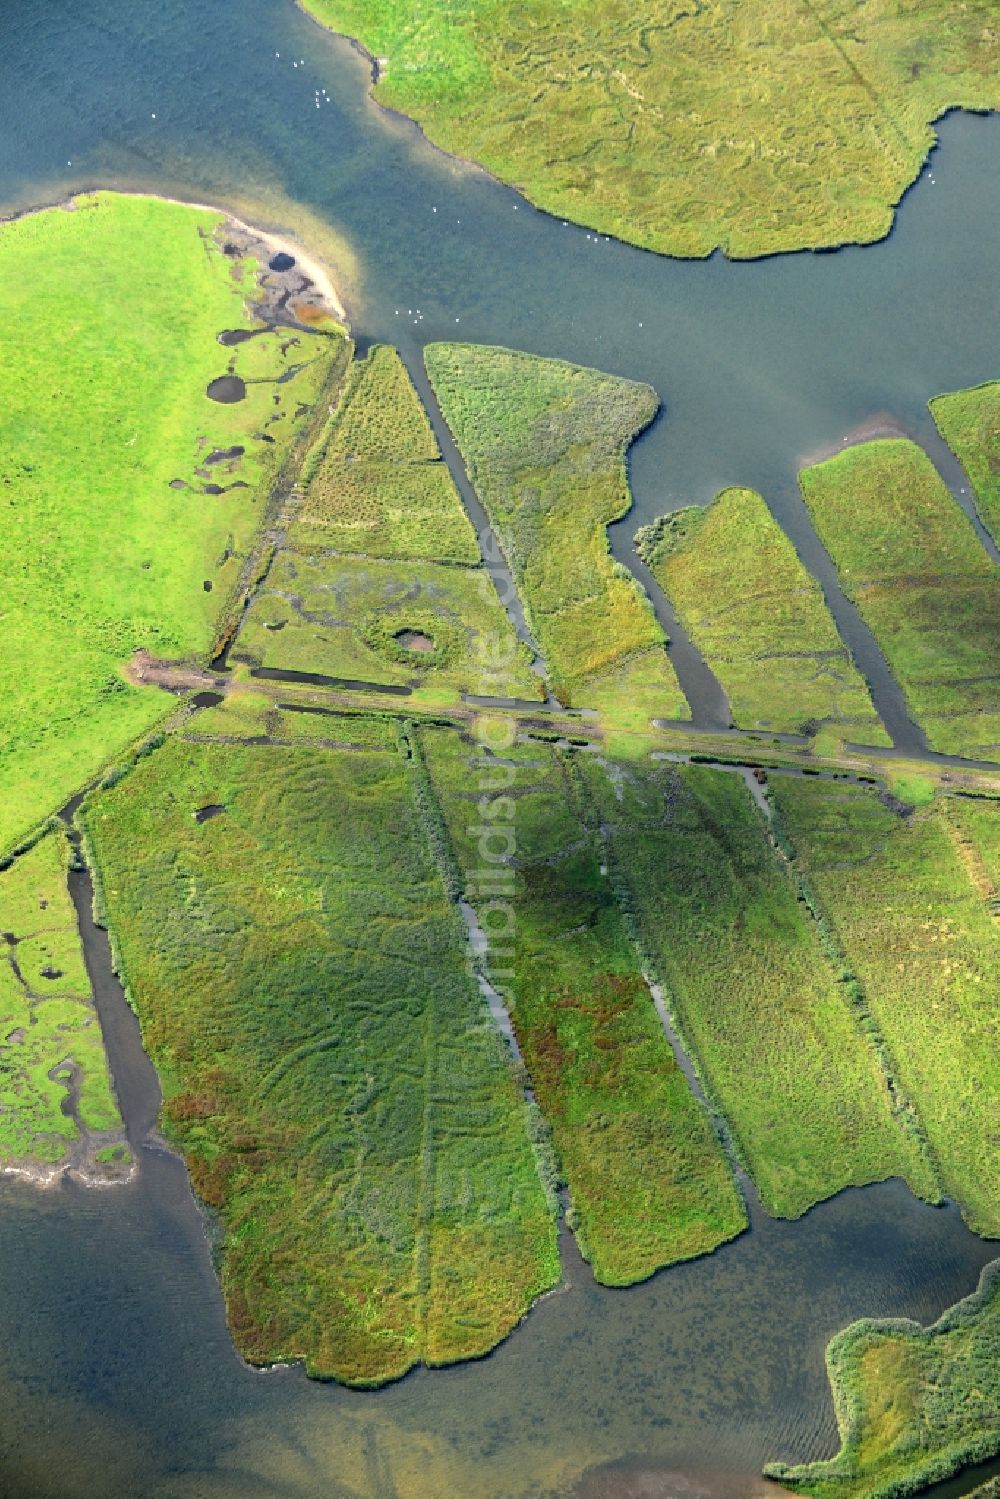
(329, 1068)
(969, 422)
(914, 1404)
(759, 618)
(923, 581)
(909, 894)
(747, 124)
(544, 443)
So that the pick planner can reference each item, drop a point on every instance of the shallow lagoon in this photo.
(116, 1371)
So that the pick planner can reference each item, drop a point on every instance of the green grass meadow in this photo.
(759, 618)
(544, 443)
(375, 483)
(757, 997)
(917, 571)
(379, 577)
(344, 616)
(905, 897)
(103, 408)
(648, 1182)
(341, 1096)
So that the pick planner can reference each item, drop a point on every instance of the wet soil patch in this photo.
(227, 389)
(207, 699)
(414, 640)
(219, 454)
(178, 484)
(48, 972)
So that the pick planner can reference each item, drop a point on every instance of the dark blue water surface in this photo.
(117, 1376)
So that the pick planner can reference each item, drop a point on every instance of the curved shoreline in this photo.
(377, 70)
(842, 1357)
(43, 1178)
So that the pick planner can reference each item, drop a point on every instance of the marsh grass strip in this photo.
(647, 1181)
(328, 1066)
(755, 998)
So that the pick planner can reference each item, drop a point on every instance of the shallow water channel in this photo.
(117, 1375)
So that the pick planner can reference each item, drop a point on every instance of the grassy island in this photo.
(921, 578)
(58, 1110)
(914, 1404)
(755, 992)
(757, 126)
(647, 1179)
(545, 443)
(969, 422)
(329, 1068)
(129, 498)
(759, 618)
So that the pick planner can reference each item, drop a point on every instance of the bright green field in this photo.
(914, 1404)
(756, 998)
(545, 443)
(647, 1179)
(49, 1028)
(757, 125)
(376, 484)
(338, 1088)
(915, 567)
(969, 422)
(917, 926)
(759, 618)
(102, 405)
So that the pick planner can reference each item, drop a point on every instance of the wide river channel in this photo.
(117, 1375)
